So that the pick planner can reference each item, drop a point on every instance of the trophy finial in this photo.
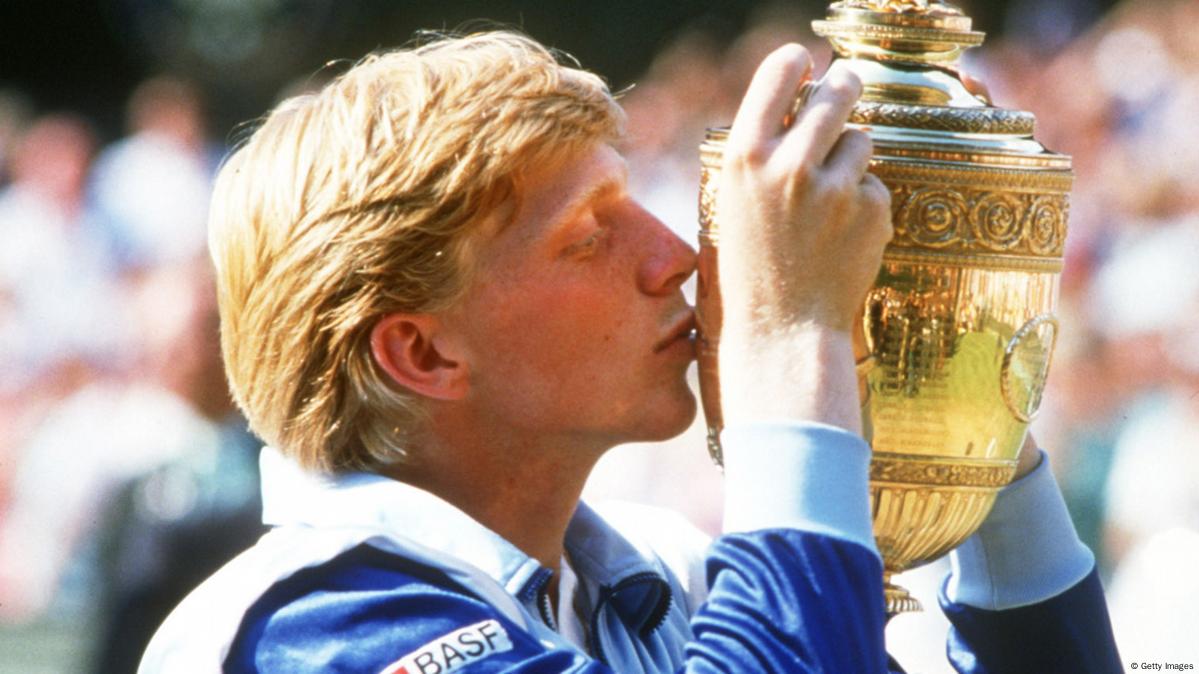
(920, 32)
(904, 6)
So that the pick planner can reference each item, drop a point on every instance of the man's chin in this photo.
(675, 420)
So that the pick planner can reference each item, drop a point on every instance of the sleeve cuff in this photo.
(1025, 552)
(797, 475)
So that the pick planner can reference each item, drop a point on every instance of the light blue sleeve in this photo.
(798, 475)
(1027, 550)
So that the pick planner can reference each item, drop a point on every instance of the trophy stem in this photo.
(897, 599)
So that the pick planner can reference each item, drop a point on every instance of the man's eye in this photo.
(591, 243)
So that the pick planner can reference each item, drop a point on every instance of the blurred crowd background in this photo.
(126, 474)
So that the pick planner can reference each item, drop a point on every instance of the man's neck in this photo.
(524, 491)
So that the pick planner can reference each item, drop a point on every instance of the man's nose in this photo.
(668, 260)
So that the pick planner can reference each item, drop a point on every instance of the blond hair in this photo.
(361, 200)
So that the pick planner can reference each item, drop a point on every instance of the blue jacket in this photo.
(366, 574)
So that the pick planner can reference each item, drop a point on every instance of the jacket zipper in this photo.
(547, 611)
(653, 621)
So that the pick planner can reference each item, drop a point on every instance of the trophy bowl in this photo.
(957, 334)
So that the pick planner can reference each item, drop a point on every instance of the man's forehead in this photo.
(551, 192)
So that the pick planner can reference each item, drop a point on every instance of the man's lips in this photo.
(681, 328)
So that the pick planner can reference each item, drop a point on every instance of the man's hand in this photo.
(1029, 457)
(802, 231)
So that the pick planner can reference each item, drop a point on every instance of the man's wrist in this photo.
(803, 372)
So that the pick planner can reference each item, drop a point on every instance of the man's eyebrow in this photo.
(612, 183)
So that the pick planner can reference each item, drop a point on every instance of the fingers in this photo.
(878, 200)
(876, 189)
(819, 126)
(976, 87)
(770, 96)
(850, 156)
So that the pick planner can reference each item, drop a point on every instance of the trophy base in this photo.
(898, 600)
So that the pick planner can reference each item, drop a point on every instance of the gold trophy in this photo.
(958, 331)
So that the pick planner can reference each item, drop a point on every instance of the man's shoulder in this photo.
(196, 635)
(365, 609)
(291, 567)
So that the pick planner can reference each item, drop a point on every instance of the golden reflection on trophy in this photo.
(957, 333)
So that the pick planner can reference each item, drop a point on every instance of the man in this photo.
(440, 307)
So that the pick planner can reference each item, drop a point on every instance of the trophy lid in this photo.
(906, 54)
(903, 31)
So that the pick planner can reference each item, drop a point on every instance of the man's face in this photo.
(575, 325)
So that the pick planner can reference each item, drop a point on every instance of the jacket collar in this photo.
(601, 557)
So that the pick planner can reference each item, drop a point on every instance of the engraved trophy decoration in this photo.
(958, 331)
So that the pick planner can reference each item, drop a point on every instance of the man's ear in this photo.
(412, 351)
